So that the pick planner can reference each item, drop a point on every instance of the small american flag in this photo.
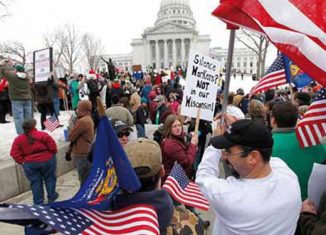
(275, 76)
(51, 123)
(183, 190)
(312, 127)
(136, 219)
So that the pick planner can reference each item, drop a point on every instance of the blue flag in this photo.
(294, 74)
(111, 171)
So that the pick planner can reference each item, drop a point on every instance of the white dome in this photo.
(177, 12)
(171, 2)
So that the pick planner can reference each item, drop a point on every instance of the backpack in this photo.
(185, 222)
(92, 86)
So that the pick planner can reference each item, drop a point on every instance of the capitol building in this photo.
(168, 43)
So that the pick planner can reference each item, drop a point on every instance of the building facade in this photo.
(167, 43)
(244, 59)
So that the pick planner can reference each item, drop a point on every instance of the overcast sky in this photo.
(115, 22)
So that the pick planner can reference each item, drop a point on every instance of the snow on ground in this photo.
(8, 132)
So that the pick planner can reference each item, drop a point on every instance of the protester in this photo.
(230, 108)
(4, 100)
(257, 111)
(44, 98)
(284, 118)
(145, 157)
(122, 130)
(141, 118)
(312, 220)
(134, 100)
(73, 87)
(81, 137)
(174, 147)
(36, 150)
(62, 93)
(116, 111)
(19, 92)
(265, 198)
(160, 108)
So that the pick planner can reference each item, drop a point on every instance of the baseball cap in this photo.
(246, 133)
(159, 98)
(119, 126)
(145, 157)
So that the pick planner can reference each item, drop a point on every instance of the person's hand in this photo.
(228, 118)
(221, 126)
(309, 206)
(194, 138)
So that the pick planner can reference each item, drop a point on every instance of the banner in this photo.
(42, 61)
(201, 86)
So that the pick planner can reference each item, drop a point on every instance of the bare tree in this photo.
(258, 44)
(92, 48)
(72, 46)
(4, 4)
(15, 50)
(56, 41)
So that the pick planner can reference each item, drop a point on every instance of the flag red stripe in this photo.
(301, 47)
(131, 220)
(178, 194)
(195, 197)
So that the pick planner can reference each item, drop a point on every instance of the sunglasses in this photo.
(121, 134)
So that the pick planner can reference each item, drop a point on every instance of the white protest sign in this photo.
(316, 183)
(42, 64)
(201, 86)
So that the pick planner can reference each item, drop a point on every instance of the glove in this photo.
(68, 157)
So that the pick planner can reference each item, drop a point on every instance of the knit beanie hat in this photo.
(20, 68)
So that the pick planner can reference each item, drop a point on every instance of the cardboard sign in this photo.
(42, 64)
(201, 86)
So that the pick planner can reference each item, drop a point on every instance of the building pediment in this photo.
(168, 28)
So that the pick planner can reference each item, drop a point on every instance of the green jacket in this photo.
(19, 84)
(300, 160)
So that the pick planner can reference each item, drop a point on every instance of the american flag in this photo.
(183, 190)
(136, 219)
(51, 123)
(275, 76)
(312, 127)
(295, 27)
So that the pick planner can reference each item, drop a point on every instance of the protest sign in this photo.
(201, 86)
(42, 61)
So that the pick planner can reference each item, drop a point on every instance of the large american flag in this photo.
(312, 127)
(51, 123)
(183, 190)
(136, 219)
(296, 27)
(275, 76)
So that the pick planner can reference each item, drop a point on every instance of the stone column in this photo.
(182, 51)
(166, 56)
(174, 53)
(157, 54)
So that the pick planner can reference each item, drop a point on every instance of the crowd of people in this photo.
(254, 173)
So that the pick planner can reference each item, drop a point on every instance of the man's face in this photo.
(238, 160)
(124, 137)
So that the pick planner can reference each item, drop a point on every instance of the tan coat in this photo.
(83, 135)
(134, 102)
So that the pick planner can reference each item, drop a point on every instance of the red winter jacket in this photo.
(175, 149)
(43, 148)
